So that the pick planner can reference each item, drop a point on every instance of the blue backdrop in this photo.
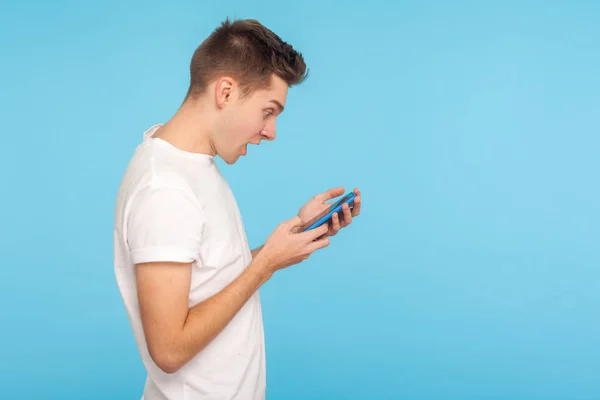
(471, 128)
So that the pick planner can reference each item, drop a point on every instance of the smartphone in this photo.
(326, 215)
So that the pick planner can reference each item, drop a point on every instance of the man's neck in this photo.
(188, 129)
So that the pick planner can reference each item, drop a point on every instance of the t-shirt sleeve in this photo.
(164, 224)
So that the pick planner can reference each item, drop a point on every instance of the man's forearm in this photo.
(256, 251)
(207, 319)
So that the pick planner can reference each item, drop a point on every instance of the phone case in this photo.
(328, 213)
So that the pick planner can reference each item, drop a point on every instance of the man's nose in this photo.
(268, 132)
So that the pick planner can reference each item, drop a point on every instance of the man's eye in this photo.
(268, 114)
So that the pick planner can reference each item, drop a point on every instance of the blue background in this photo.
(471, 128)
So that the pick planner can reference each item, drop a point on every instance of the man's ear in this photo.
(224, 90)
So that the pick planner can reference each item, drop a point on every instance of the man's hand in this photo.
(318, 203)
(284, 247)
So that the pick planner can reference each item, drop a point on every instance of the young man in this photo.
(186, 275)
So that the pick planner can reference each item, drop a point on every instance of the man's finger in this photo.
(347, 215)
(318, 244)
(356, 208)
(294, 220)
(331, 193)
(294, 223)
(335, 224)
(317, 232)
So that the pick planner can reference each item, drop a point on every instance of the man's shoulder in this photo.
(144, 180)
(158, 201)
(167, 184)
(145, 169)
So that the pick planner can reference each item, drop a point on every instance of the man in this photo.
(186, 275)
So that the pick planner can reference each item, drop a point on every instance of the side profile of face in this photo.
(245, 121)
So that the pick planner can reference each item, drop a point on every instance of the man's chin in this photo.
(231, 160)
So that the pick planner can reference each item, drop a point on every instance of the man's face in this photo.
(249, 120)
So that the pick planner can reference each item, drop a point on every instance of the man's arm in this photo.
(176, 333)
(164, 235)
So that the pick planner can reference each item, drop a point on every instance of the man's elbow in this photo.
(167, 359)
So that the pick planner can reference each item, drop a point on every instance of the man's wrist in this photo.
(261, 266)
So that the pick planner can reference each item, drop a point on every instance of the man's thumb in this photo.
(294, 221)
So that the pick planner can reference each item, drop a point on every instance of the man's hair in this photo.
(248, 52)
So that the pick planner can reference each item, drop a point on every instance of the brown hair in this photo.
(247, 51)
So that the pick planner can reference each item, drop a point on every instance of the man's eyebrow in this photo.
(278, 104)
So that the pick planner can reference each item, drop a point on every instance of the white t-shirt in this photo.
(176, 206)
